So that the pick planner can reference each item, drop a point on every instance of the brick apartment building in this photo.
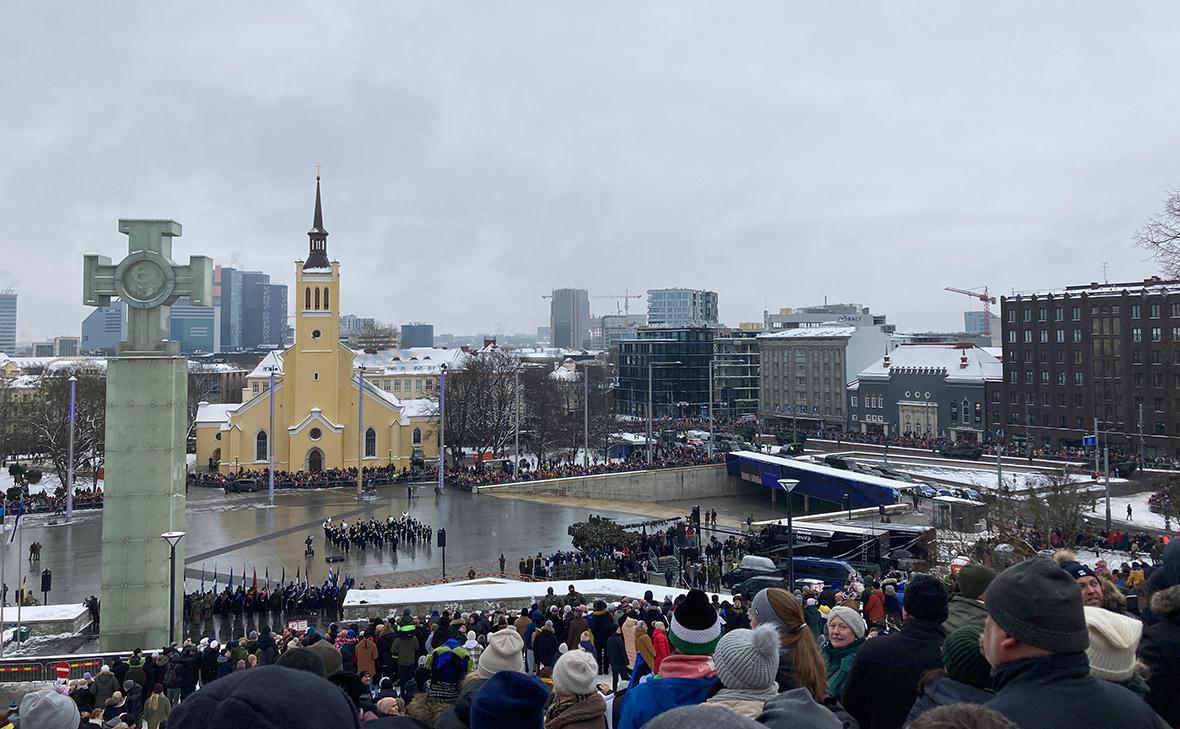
(1108, 351)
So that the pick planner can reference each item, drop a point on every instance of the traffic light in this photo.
(442, 537)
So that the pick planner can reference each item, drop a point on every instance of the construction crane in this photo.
(626, 296)
(987, 300)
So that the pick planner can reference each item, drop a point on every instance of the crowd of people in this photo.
(1036, 645)
(470, 476)
(325, 478)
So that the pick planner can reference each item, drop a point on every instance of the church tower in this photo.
(312, 378)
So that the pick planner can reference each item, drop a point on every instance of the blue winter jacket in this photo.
(657, 695)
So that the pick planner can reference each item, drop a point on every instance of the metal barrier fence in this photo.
(45, 668)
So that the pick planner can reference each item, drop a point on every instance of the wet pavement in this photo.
(241, 530)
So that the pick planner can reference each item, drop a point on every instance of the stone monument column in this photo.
(147, 397)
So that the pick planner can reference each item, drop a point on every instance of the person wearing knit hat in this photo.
(747, 666)
(966, 679)
(1113, 640)
(509, 699)
(845, 635)
(47, 709)
(966, 607)
(688, 674)
(157, 707)
(880, 690)
(800, 664)
(264, 698)
(695, 626)
(1035, 639)
(1087, 580)
(502, 653)
(576, 701)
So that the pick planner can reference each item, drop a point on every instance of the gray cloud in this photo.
(477, 154)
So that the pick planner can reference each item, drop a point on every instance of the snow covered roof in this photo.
(272, 360)
(419, 408)
(417, 360)
(25, 381)
(811, 333)
(214, 367)
(1147, 286)
(214, 413)
(937, 359)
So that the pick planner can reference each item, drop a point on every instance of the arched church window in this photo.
(326, 305)
(307, 298)
(260, 446)
(417, 436)
(317, 298)
(370, 443)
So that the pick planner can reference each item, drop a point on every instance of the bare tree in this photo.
(50, 425)
(1161, 236)
(480, 403)
(377, 335)
(544, 411)
(1059, 505)
(204, 385)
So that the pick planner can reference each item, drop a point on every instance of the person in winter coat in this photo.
(545, 646)
(333, 662)
(366, 654)
(616, 657)
(1035, 639)
(967, 606)
(135, 671)
(645, 647)
(846, 636)
(576, 703)
(104, 686)
(815, 619)
(883, 683)
(577, 626)
(133, 701)
(264, 647)
(964, 679)
(404, 652)
(346, 643)
(1113, 639)
(458, 716)
(602, 627)
(660, 644)
(874, 605)
(157, 707)
(747, 663)
(473, 648)
(688, 674)
(800, 663)
(1159, 648)
(629, 624)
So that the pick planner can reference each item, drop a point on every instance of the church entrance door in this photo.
(315, 460)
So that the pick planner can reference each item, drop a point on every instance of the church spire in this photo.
(317, 256)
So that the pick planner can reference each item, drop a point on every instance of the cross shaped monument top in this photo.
(149, 282)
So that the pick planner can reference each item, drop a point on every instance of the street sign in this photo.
(1090, 440)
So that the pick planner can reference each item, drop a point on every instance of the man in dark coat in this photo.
(883, 683)
(1160, 650)
(1035, 638)
(545, 646)
(602, 627)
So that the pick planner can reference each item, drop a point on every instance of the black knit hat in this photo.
(301, 659)
(1039, 603)
(695, 627)
(266, 697)
(974, 579)
(925, 599)
(1077, 570)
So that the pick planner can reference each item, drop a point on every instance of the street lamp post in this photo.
(70, 472)
(360, 433)
(270, 444)
(172, 538)
(650, 368)
(788, 485)
(442, 424)
(516, 422)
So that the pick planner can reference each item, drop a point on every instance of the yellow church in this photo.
(321, 419)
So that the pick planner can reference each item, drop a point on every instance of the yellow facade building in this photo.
(324, 417)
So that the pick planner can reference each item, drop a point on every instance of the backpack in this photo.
(172, 675)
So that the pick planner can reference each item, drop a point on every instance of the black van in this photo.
(834, 572)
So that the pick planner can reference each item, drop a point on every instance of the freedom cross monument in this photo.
(147, 398)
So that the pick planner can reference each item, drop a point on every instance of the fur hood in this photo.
(1166, 603)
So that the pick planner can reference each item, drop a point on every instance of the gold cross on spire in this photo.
(317, 170)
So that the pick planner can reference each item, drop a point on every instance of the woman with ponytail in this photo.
(800, 664)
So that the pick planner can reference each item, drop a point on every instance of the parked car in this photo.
(834, 572)
(844, 463)
(961, 450)
(751, 566)
(238, 485)
(971, 494)
(751, 587)
(925, 490)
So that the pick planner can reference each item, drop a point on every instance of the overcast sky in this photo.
(477, 154)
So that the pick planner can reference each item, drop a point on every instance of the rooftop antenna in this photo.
(1105, 265)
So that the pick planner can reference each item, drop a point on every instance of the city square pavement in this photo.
(236, 530)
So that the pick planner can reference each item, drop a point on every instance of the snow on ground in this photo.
(49, 481)
(985, 478)
(1141, 515)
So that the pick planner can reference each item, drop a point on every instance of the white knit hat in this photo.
(851, 618)
(1113, 639)
(576, 672)
(502, 653)
(748, 659)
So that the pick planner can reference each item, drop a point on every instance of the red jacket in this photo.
(875, 608)
(659, 639)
